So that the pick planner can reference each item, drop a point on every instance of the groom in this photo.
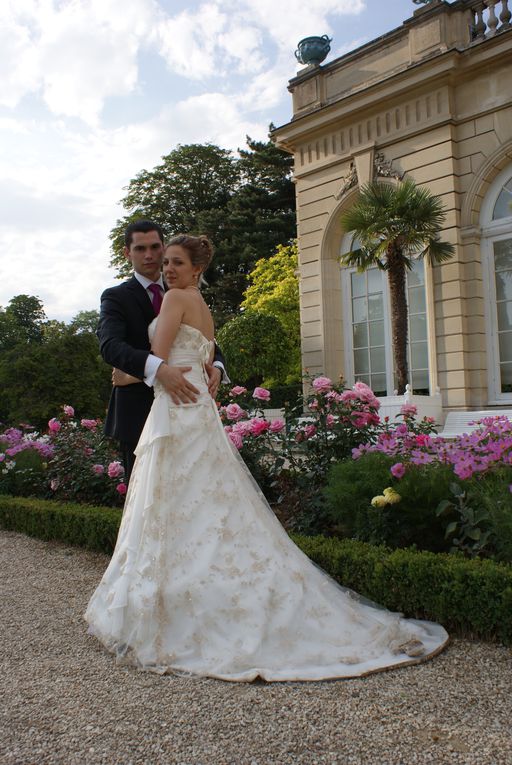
(125, 314)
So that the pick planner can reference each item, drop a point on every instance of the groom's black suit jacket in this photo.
(125, 314)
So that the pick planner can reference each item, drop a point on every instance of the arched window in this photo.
(496, 222)
(367, 327)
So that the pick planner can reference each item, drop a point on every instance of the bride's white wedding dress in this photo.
(204, 579)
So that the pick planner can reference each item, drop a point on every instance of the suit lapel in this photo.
(140, 295)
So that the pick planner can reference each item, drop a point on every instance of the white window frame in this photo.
(346, 294)
(493, 231)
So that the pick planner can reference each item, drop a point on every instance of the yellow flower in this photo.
(392, 497)
(379, 501)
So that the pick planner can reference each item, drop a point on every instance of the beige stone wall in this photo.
(445, 121)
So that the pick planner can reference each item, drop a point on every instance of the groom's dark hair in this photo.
(143, 226)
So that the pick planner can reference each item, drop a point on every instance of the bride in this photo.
(203, 578)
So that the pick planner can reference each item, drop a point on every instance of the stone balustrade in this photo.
(489, 18)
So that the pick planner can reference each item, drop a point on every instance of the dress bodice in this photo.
(189, 349)
(190, 346)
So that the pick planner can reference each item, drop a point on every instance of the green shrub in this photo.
(25, 475)
(491, 493)
(352, 484)
(469, 597)
(94, 528)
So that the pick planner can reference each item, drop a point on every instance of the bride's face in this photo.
(177, 267)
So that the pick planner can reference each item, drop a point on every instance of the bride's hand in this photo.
(120, 378)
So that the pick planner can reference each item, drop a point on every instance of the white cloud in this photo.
(62, 177)
(287, 21)
(77, 54)
(22, 77)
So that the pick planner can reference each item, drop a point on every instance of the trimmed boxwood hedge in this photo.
(469, 597)
(82, 525)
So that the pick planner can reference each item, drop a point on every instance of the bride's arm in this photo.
(169, 320)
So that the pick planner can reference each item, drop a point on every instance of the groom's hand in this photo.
(214, 378)
(176, 384)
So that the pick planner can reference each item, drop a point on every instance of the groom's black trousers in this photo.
(128, 457)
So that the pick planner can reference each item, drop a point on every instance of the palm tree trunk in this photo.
(397, 290)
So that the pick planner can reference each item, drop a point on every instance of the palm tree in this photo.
(395, 225)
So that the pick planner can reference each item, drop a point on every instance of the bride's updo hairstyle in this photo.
(199, 249)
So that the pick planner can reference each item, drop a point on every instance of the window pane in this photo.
(359, 309)
(360, 335)
(378, 385)
(504, 285)
(502, 208)
(361, 362)
(504, 316)
(416, 275)
(505, 339)
(419, 356)
(506, 378)
(358, 284)
(375, 306)
(374, 280)
(420, 382)
(378, 360)
(503, 255)
(376, 333)
(363, 378)
(418, 327)
(417, 300)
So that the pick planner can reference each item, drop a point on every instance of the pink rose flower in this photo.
(54, 484)
(398, 470)
(236, 439)
(409, 410)
(98, 469)
(243, 427)
(68, 410)
(261, 394)
(330, 420)
(54, 425)
(121, 488)
(234, 412)
(309, 431)
(259, 425)
(276, 426)
(313, 405)
(115, 469)
(237, 390)
(89, 424)
(322, 384)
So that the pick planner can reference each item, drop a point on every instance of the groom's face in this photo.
(145, 253)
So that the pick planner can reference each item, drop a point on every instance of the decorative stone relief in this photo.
(349, 180)
(384, 167)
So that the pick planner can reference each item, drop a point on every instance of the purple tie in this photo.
(156, 297)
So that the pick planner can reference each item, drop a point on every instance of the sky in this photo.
(94, 91)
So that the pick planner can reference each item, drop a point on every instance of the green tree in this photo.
(85, 321)
(274, 290)
(394, 225)
(256, 349)
(246, 205)
(190, 181)
(21, 322)
(37, 379)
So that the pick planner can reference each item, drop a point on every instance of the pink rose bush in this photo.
(299, 447)
(72, 461)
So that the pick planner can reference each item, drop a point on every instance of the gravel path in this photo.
(63, 700)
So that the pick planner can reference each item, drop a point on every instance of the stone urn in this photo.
(313, 50)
